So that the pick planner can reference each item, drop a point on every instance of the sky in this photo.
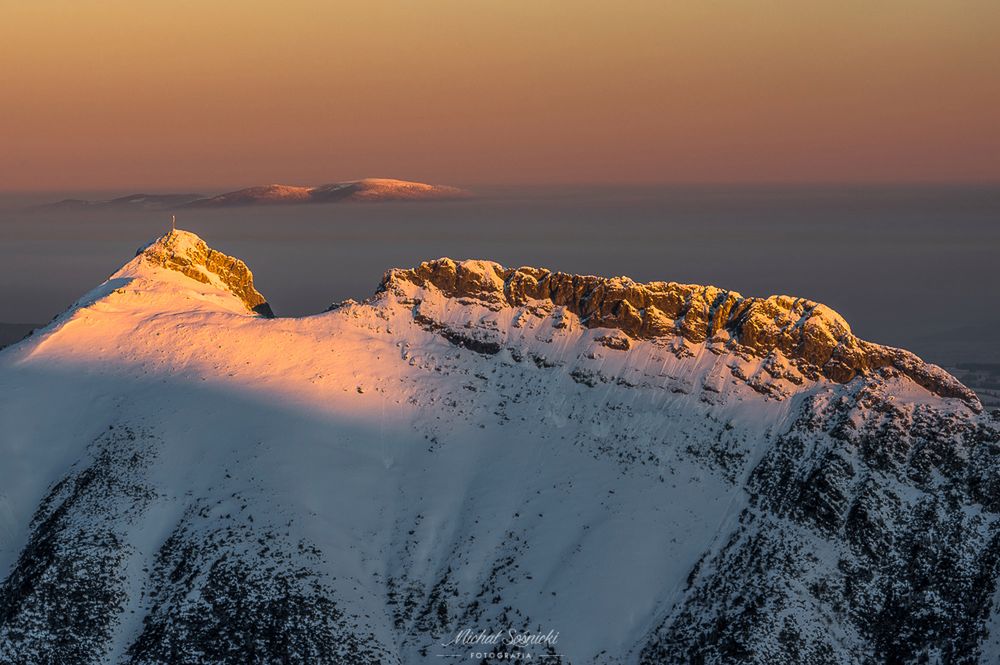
(111, 94)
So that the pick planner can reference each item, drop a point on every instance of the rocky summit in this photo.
(485, 464)
(814, 338)
(189, 255)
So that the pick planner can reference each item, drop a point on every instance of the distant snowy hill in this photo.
(617, 472)
(369, 189)
(366, 190)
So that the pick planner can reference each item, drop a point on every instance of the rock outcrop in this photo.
(188, 254)
(816, 339)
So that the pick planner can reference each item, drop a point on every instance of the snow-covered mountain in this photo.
(615, 472)
(129, 202)
(367, 190)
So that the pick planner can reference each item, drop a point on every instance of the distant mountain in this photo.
(369, 189)
(262, 195)
(146, 201)
(366, 190)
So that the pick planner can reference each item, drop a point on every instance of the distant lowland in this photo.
(368, 190)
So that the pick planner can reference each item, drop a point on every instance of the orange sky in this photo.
(197, 94)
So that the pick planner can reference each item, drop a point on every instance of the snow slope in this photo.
(185, 480)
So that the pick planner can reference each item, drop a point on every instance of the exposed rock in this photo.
(905, 496)
(241, 594)
(61, 600)
(813, 337)
(188, 254)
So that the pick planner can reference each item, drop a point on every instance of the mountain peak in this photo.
(389, 189)
(259, 195)
(189, 255)
(784, 340)
(781, 330)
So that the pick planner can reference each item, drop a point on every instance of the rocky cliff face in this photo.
(872, 535)
(190, 256)
(659, 473)
(814, 338)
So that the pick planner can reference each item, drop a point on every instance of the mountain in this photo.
(130, 202)
(262, 195)
(367, 190)
(611, 472)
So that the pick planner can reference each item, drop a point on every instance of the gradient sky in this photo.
(117, 94)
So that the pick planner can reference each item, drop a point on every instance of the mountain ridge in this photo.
(796, 337)
(779, 328)
(189, 481)
(189, 255)
(367, 190)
